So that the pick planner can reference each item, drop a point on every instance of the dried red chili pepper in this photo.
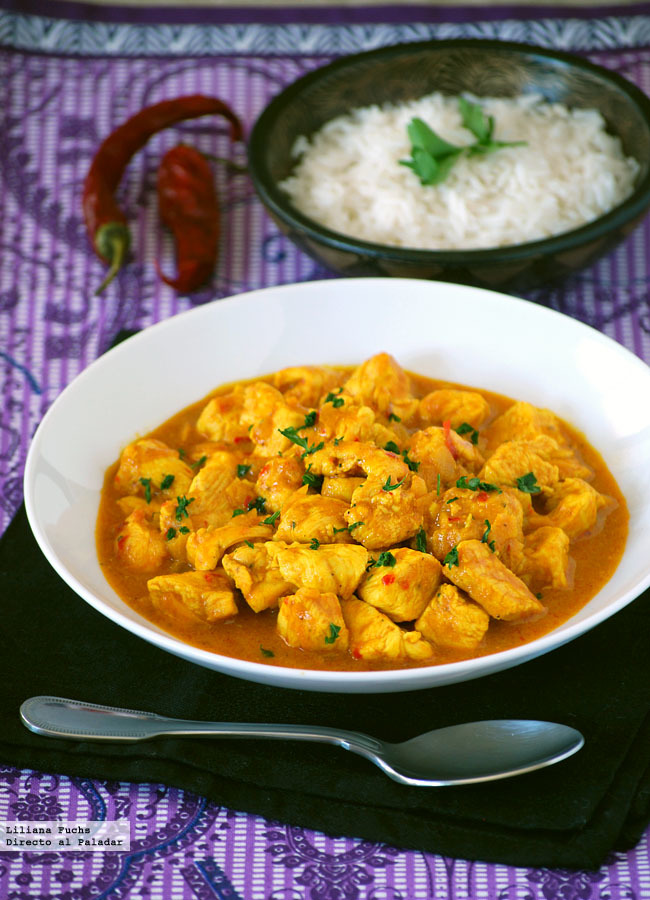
(105, 221)
(188, 206)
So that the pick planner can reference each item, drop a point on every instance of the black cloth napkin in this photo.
(569, 815)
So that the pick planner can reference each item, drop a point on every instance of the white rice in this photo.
(348, 175)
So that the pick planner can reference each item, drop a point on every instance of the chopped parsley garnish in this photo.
(486, 536)
(181, 509)
(315, 544)
(421, 541)
(438, 482)
(350, 528)
(466, 428)
(393, 418)
(167, 482)
(257, 504)
(313, 449)
(198, 463)
(249, 544)
(333, 633)
(181, 453)
(385, 559)
(432, 158)
(337, 441)
(292, 434)
(310, 419)
(413, 466)
(392, 447)
(527, 484)
(271, 520)
(242, 470)
(238, 512)
(184, 529)
(266, 652)
(451, 500)
(391, 487)
(171, 533)
(475, 484)
(146, 483)
(451, 559)
(334, 399)
(313, 480)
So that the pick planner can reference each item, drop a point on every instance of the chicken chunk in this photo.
(443, 453)
(381, 383)
(455, 406)
(256, 576)
(207, 596)
(149, 468)
(374, 637)
(573, 506)
(495, 517)
(220, 418)
(340, 488)
(546, 561)
(259, 401)
(524, 422)
(216, 490)
(341, 418)
(279, 479)
(358, 458)
(206, 546)
(384, 513)
(139, 542)
(307, 517)
(267, 433)
(310, 620)
(330, 568)
(403, 588)
(307, 384)
(473, 567)
(452, 622)
(515, 459)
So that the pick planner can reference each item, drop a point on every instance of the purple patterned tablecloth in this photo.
(69, 76)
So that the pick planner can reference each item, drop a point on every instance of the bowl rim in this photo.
(277, 202)
(388, 680)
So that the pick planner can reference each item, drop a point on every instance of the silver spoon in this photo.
(460, 754)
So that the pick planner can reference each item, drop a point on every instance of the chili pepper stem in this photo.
(112, 243)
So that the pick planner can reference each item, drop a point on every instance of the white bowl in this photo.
(449, 331)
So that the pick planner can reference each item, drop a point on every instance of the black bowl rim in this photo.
(275, 200)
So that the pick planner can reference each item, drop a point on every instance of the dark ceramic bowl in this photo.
(484, 68)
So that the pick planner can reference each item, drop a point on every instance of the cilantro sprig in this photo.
(432, 158)
(527, 484)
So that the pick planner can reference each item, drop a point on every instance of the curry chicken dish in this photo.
(366, 518)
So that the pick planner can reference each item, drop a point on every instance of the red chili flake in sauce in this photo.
(120, 541)
(265, 469)
(482, 496)
(454, 518)
(355, 653)
(404, 584)
(241, 438)
(388, 579)
(446, 425)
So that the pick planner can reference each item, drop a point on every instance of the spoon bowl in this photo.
(459, 754)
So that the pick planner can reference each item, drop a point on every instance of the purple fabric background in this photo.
(66, 84)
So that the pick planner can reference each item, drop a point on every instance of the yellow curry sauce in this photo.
(426, 449)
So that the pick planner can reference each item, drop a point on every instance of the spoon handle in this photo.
(73, 719)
